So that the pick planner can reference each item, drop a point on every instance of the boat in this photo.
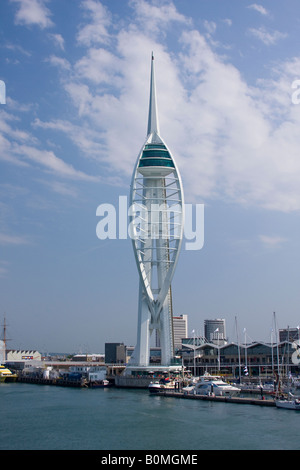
(164, 384)
(266, 388)
(6, 375)
(100, 384)
(212, 385)
(288, 403)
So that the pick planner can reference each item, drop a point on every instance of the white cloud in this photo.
(156, 15)
(86, 139)
(17, 48)
(98, 66)
(60, 188)
(33, 12)
(268, 37)
(7, 129)
(60, 62)
(20, 148)
(58, 40)
(230, 140)
(7, 239)
(210, 26)
(227, 21)
(95, 31)
(272, 241)
(259, 8)
(51, 162)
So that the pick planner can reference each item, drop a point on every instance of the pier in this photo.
(222, 399)
(59, 381)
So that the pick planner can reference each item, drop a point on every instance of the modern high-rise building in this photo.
(156, 205)
(180, 329)
(215, 331)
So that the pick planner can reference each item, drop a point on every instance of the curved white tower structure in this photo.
(156, 201)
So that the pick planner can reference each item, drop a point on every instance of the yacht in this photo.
(267, 388)
(6, 375)
(288, 404)
(211, 385)
(164, 384)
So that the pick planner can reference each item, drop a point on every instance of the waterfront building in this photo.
(93, 373)
(244, 360)
(20, 359)
(289, 334)
(215, 331)
(180, 330)
(156, 201)
(88, 358)
(21, 355)
(112, 352)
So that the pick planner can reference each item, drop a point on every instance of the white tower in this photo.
(156, 202)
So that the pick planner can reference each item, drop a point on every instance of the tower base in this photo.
(141, 377)
(152, 370)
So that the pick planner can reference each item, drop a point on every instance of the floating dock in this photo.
(222, 399)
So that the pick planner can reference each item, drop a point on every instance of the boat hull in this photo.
(156, 387)
(212, 386)
(8, 379)
(288, 404)
(6, 375)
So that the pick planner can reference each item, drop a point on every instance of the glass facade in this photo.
(156, 155)
(156, 162)
(260, 358)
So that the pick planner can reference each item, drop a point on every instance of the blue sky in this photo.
(77, 88)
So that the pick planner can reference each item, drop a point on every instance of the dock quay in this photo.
(223, 399)
(60, 382)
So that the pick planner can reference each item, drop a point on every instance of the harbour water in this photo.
(42, 417)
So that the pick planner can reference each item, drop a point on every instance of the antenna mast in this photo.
(4, 337)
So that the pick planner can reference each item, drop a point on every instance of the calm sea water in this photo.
(41, 417)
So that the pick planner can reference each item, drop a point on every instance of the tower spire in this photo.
(156, 182)
(153, 126)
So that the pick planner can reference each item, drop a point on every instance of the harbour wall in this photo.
(132, 382)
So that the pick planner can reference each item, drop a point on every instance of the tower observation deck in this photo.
(156, 201)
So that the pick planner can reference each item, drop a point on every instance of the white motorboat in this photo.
(266, 388)
(288, 404)
(161, 385)
(212, 385)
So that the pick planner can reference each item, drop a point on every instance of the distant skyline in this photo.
(74, 119)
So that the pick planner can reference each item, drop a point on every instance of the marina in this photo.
(47, 417)
(207, 388)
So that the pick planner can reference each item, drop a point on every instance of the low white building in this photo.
(93, 373)
(20, 355)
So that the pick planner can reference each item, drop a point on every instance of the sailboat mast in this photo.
(4, 338)
(276, 339)
(239, 353)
